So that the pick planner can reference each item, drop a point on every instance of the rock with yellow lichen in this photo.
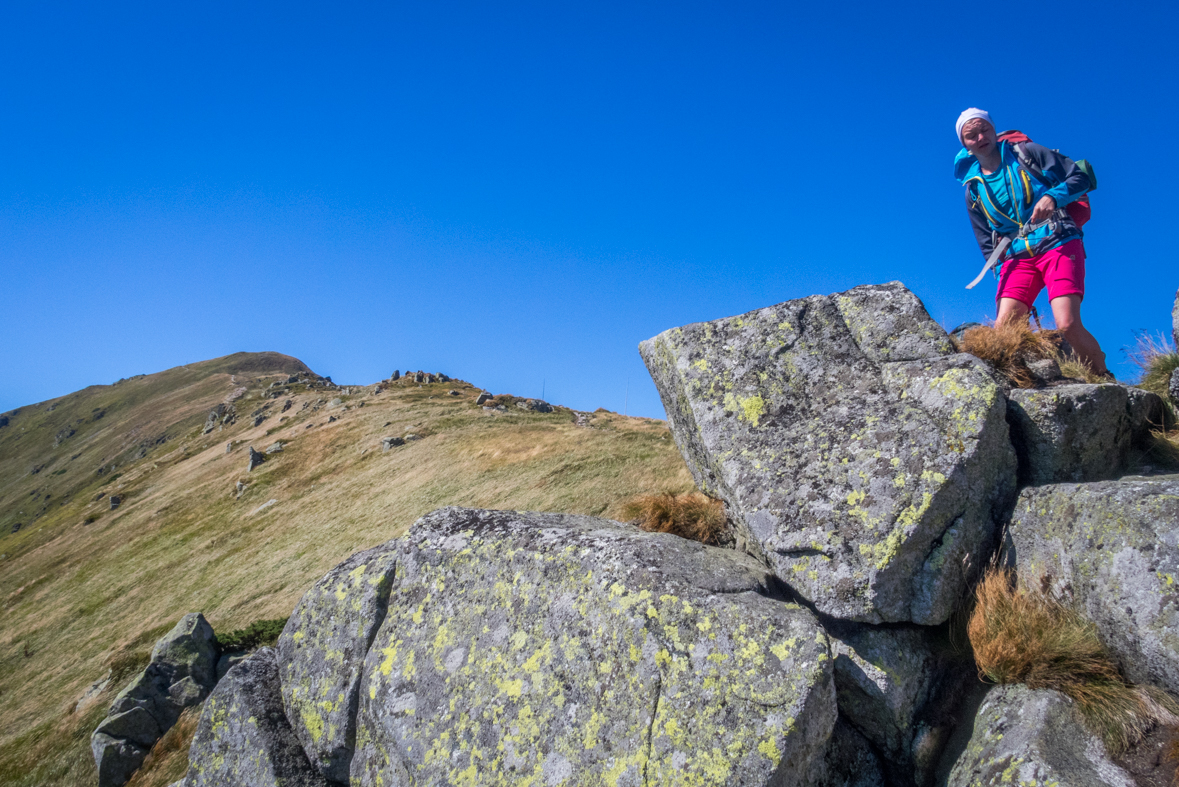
(1111, 547)
(243, 738)
(1033, 738)
(551, 649)
(1079, 432)
(856, 452)
(322, 650)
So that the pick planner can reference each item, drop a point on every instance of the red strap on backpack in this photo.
(1079, 209)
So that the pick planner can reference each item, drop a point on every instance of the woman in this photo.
(1026, 203)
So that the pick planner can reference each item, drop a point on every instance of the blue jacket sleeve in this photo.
(1068, 181)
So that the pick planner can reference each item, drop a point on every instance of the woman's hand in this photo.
(1043, 209)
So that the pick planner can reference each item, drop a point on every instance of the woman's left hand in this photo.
(1043, 209)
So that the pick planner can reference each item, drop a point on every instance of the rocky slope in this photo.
(87, 589)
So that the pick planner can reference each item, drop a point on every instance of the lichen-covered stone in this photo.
(243, 738)
(1113, 547)
(555, 649)
(1078, 432)
(864, 459)
(181, 672)
(1174, 387)
(1033, 739)
(883, 679)
(321, 652)
(1175, 320)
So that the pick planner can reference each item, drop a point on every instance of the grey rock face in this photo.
(390, 442)
(321, 652)
(1175, 320)
(576, 650)
(396, 375)
(180, 673)
(258, 419)
(1113, 546)
(866, 461)
(850, 760)
(115, 501)
(883, 679)
(275, 448)
(255, 460)
(1036, 738)
(1174, 387)
(483, 398)
(228, 661)
(1046, 370)
(1078, 432)
(336, 402)
(243, 739)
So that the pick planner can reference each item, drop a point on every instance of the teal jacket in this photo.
(996, 214)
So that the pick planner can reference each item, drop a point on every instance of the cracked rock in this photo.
(853, 449)
(587, 651)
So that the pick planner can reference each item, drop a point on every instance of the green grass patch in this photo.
(258, 634)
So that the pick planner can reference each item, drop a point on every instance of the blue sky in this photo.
(516, 194)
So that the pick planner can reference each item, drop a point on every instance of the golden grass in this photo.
(79, 599)
(1025, 636)
(1008, 349)
(1156, 359)
(691, 515)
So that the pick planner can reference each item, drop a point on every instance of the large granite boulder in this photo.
(181, 672)
(1034, 738)
(854, 450)
(1112, 547)
(321, 652)
(565, 650)
(243, 738)
(1078, 432)
(851, 762)
(1175, 320)
(1173, 389)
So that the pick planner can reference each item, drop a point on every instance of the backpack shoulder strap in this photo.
(1021, 153)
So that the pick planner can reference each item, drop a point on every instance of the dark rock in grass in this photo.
(396, 375)
(1045, 370)
(321, 652)
(1174, 388)
(419, 377)
(1035, 738)
(181, 673)
(390, 442)
(1113, 548)
(116, 501)
(483, 398)
(453, 392)
(16, 526)
(852, 448)
(62, 436)
(535, 405)
(3, 421)
(259, 419)
(243, 738)
(288, 404)
(1078, 432)
(255, 460)
(587, 652)
(115, 758)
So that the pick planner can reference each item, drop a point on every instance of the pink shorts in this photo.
(1061, 269)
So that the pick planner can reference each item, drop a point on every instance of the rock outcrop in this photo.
(1113, 547)
(243, 738)
(181, 672)
(852, 447)
(1034, 738)
(321, 653)
(1078, 432)
(480, 666)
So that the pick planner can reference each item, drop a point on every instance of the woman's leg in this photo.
(1066, 310)
(1012, 311)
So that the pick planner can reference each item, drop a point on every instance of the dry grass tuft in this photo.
(691, 515)
(1026, 636)
(1156, 358)
(1009, 348)
(168, 759)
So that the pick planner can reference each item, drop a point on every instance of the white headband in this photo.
(971, 114)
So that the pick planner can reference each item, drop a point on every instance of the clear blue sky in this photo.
(518, 193)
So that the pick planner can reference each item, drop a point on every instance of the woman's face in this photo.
(979, 137)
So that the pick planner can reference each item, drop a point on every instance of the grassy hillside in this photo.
(85, 590)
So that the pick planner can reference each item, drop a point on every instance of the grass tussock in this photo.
(167, 761)
(1027, 636)
(1156, 358)
(1009, 348)
(258, 634)
(691, 515)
